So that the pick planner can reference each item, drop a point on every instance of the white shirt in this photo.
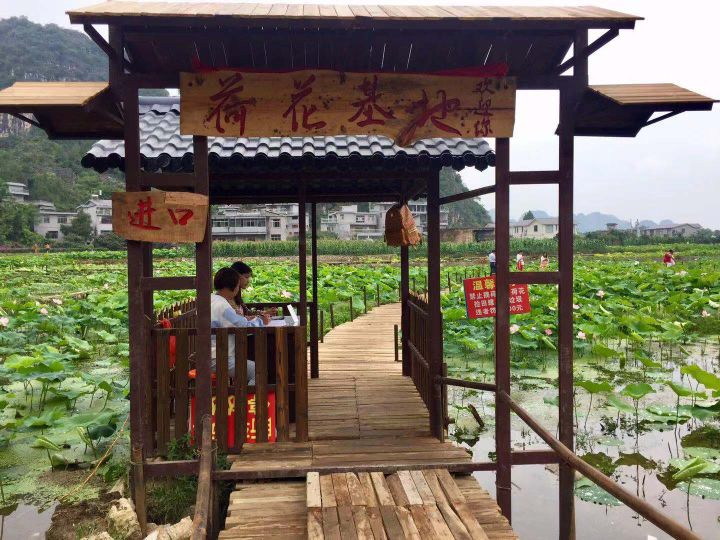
(519, 257)
(491, 257)
(222, 315)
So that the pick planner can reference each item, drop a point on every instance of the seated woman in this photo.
(223, 315)
(245, 276)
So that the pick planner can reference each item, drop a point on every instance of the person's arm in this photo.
(239, 321)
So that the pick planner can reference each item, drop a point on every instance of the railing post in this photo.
(365, 299)
(322, 326)
(405, 310)
(395, 343)
(332, 316)
(351, 309)
(378, 294)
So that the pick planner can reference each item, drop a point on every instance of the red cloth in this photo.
(667, 258)
(172, 344)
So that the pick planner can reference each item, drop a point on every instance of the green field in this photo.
(647, 353)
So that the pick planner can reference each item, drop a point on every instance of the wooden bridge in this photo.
(363, 415)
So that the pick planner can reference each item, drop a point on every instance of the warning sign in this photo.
(480, 298)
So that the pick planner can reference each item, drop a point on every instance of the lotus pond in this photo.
(647, 390)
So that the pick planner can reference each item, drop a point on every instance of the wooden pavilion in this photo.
(149, 46)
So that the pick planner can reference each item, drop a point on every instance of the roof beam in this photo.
(106, 47)
(600, 42)
(467, 195)
(27, 119)
(661, 117)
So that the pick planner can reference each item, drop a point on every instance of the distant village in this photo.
(279, 222)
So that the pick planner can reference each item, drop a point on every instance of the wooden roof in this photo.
(179, 12)
(649, 94)
(65, 109)
(622, 110)
(22, 95)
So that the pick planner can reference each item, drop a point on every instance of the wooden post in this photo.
(364, 299)
(302, 253)
(395, 343)
(203, 272)
(314, 359)
(502, 325)
(435, 326)
(332, 316)
(351, 309)
(322, 326)
(378, 294)
(405, 310)
(568, 100)
(449, 283)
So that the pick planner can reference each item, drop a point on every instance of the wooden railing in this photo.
(280, 360)
(417, 341)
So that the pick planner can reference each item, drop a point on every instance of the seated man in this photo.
(222, 315)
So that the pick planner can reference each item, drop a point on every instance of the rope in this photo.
(100, 462)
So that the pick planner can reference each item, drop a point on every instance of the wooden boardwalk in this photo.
(362, 412)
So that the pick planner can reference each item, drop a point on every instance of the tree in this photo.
(528, 215)
(463, 214)
(110, 241)
(17, 222)
(79, 229)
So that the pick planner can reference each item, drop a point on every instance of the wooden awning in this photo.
(65, 110)
(622, 110)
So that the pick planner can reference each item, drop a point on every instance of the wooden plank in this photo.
(282, 394)
(240, 389)
(384, 496)
(221, 401)
(422, 522)
(182, 403)
(261, 389)
(362, 523)
(328, 491)
(453, 521)
(396, 488)
(357, 493)
(340, 487)
(408, 485)
(407, 523)
(163, 392)
(331, 525)
(462, 116)
(315, 524)
(391, 522)
(458, 502)
(313, 492)
(422, 487)
(347, 522)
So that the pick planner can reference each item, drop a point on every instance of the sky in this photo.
(671, 170)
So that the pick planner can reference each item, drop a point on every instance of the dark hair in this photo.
(670, 251)
(241, 268)
(226, 278)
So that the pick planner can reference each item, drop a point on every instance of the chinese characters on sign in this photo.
(480, 298)
(251, 429)
(405, 107)
(158, 216)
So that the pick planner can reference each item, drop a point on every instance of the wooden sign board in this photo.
(159, 216)
(480, 298)
(405, 107)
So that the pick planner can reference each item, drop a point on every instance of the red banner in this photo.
(251, 429)
(480, 298)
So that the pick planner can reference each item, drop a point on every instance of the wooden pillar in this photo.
(203, 273)
(302, 253)
(405, 309)
(435, 325)
(141, 441)
(502, 325)
(314, 333)
(568, 101)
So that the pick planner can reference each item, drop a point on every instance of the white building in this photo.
(18, 192)
(349, 223)
(536, 228)
(670, 231)
(100, 212)
(232, 223)
(50, 221)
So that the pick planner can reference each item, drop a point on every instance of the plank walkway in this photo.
(362, 412)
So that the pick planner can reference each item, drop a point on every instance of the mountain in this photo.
(462, 214)
(50, 169)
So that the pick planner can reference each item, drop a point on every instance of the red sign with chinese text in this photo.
(480, 298)
(406, 107)
(251, 429)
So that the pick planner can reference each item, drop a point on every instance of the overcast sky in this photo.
(671, 170)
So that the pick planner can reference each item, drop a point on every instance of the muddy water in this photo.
(26, 522)
(535, 487)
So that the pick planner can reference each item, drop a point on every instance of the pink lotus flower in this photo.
(581, 335)
(576, 306)
(514, 328)
(548, 332)
(286, 294)
(43, 311)
(4, 321)
(57, 301)
(601, 293)
(705, 313)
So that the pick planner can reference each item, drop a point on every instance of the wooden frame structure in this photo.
(150, 43)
